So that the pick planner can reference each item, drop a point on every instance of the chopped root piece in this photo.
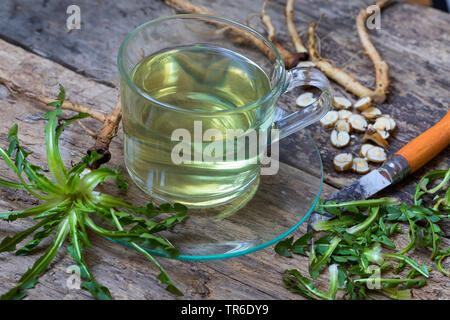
(305, 99)
(306, 64)
(376, 154)
(342, 126)
(342, 103)
(384, 134)
(329, 119)
(363, 103)
(358, 122)
(340, 139)
(364, 148)
(371, 113)
(392, 123)
(383, 124)
(343, 162)
(360, 165)
(373, 135)
(344, 114)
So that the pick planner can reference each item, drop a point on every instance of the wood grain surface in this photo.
(38, 53)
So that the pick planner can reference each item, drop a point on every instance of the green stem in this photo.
(407, 260)
(108, 233)
(302, 285)
(394, 282)
(55, 164)
(411, 233)
(333, 271)
(366, 223)
(363, 203)
(329, 225)
(439, 264)
(434, 240)
(316, 264)
(73, 222)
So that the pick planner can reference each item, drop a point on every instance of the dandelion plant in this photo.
(69, 206)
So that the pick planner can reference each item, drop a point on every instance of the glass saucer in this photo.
(280, 205)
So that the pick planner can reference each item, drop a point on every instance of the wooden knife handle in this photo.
(426, 146)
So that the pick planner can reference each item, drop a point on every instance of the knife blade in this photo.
(407, 160)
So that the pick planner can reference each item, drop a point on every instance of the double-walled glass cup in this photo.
(149, 123)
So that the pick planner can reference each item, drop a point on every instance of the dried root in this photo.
(360, 166)
(343, 78)
(187, 6)
(357, 122)
(339, 139)
(381, 67)
(296, 40)
(371, 113)
(342, 126)
(363, 103)
(364, 149)
(107, 132)
(290, 59)
(329, 119)
(305, 99)
(338, 75)
(373, 135)
(344, 114)
(341, 103)
(67, 105)
(376, 154)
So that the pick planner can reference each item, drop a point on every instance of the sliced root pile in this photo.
(340, 139)
(363, 103)
(342, 126)
(344, 114)
(343, 162)
(360, 166)
(371, 113)
(305, 99)
(357, 122)
(375, 136)
(342, 103)
(364, 149)
(329, 119)
(376, 154)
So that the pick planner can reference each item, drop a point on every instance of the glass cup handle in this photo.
(288, 123)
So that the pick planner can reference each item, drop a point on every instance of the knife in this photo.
(408, 159)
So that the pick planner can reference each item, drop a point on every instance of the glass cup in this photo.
(228, 180)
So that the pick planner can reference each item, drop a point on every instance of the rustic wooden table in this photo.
(37, 53)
